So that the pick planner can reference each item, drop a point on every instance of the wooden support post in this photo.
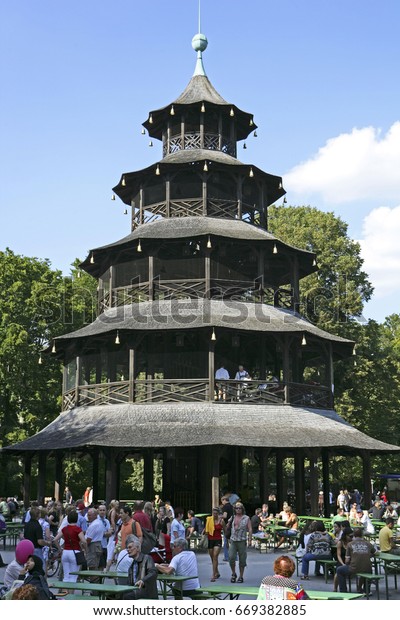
(27, 480)
(41, 487)
(148, 483)
(58, 481)
(366, 461)
(325, 481)
(207, 268)
(314, 454)
(168, 198)
(295, 284)
(299, 481)
(286, 368)
(330, 373)
(264, 481)
(151, 278)
(209, 482)
(279, 477)
(77, 379)
(131, 396)
(211, 370)
(168, 473)
(95, 474)
(204, 193)
(111, 474)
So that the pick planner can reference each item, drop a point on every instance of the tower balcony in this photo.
(144, 391)
(199, 140)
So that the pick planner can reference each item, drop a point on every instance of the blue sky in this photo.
(79, 78)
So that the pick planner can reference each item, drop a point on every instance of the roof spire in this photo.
(199, 44)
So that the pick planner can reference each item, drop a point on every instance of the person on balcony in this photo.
(241, 375)
(220, 388)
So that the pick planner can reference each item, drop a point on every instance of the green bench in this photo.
(369, 578)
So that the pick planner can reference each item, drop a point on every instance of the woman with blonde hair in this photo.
(215, 525)
(240, 529)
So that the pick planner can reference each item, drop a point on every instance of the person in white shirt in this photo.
(220, 388)
(94, 536)
(183, 563)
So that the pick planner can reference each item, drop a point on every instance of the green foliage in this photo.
(36, 304)
(331, 297)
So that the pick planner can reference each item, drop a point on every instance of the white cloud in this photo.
(361, 165)
(380, 249)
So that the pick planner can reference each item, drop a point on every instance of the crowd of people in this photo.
(147, 538)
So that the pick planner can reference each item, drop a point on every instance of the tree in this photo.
(335, 295)
(36, 304)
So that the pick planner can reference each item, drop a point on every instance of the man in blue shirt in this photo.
(94, 536)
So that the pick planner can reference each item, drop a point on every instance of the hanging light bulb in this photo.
(53, 349)
(251, 123)
(139, 247)
(251, 173)
(303, 341)
(125, 211)
(40, 359)
(143, 131)
(245, 145)
(232, 112)
(285, 201)
(78, 274)
(91, 259)
(275, 249)
(158, 170)
(354, 350)
(255, 134)
(209, 242)
(151, 143)
(280, 186)
(314, 263)
(113, 197)
(172, 111)
(213, 336)
(205, 167)
(151, 119)
(203, 107)
(123, 182)
(117, 341)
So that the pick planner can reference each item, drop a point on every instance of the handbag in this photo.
(80, 557)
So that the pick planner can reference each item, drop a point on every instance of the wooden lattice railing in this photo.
(192, 141)
(199, 390)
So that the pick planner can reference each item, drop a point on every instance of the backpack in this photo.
(149, 539)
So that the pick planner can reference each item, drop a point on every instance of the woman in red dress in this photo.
(215, 526)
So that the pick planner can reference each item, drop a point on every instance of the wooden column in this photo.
(330, 373)
(204, 193)
(131, 375)
(279, 477)
(27, 480)
(111, 455)
(202, 130)
(168, 198)
(239, 197)
(168, 473)
(211, 369)
(95, 475)
(77, 378)
(141, 205)
(366, 461)
(151, 278)
(41, 486)
(295, 284)
(325, 480)
(220, 132)
(286, 367)
(314, 454)
(209, 481)
(182, 135)
(148, 483)
(260, 276)
(207, 269)
(299, 481)
(58, 482)
(264, 482)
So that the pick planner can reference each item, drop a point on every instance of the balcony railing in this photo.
(199, 390)
(193, 140)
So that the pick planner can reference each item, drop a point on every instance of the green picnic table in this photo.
(166, 582)
(387, 559)
(317, 595)
(232, 592)
(102, 589)
(86, 574)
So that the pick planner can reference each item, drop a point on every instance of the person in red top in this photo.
(141, 517)
(215, 525)
(74, 541)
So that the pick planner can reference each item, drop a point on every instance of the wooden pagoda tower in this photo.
(200, 282)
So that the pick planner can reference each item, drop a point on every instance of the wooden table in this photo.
(168, 580)
(102, 589)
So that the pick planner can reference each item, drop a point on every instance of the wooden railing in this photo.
(193, 141)
(199, 390)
